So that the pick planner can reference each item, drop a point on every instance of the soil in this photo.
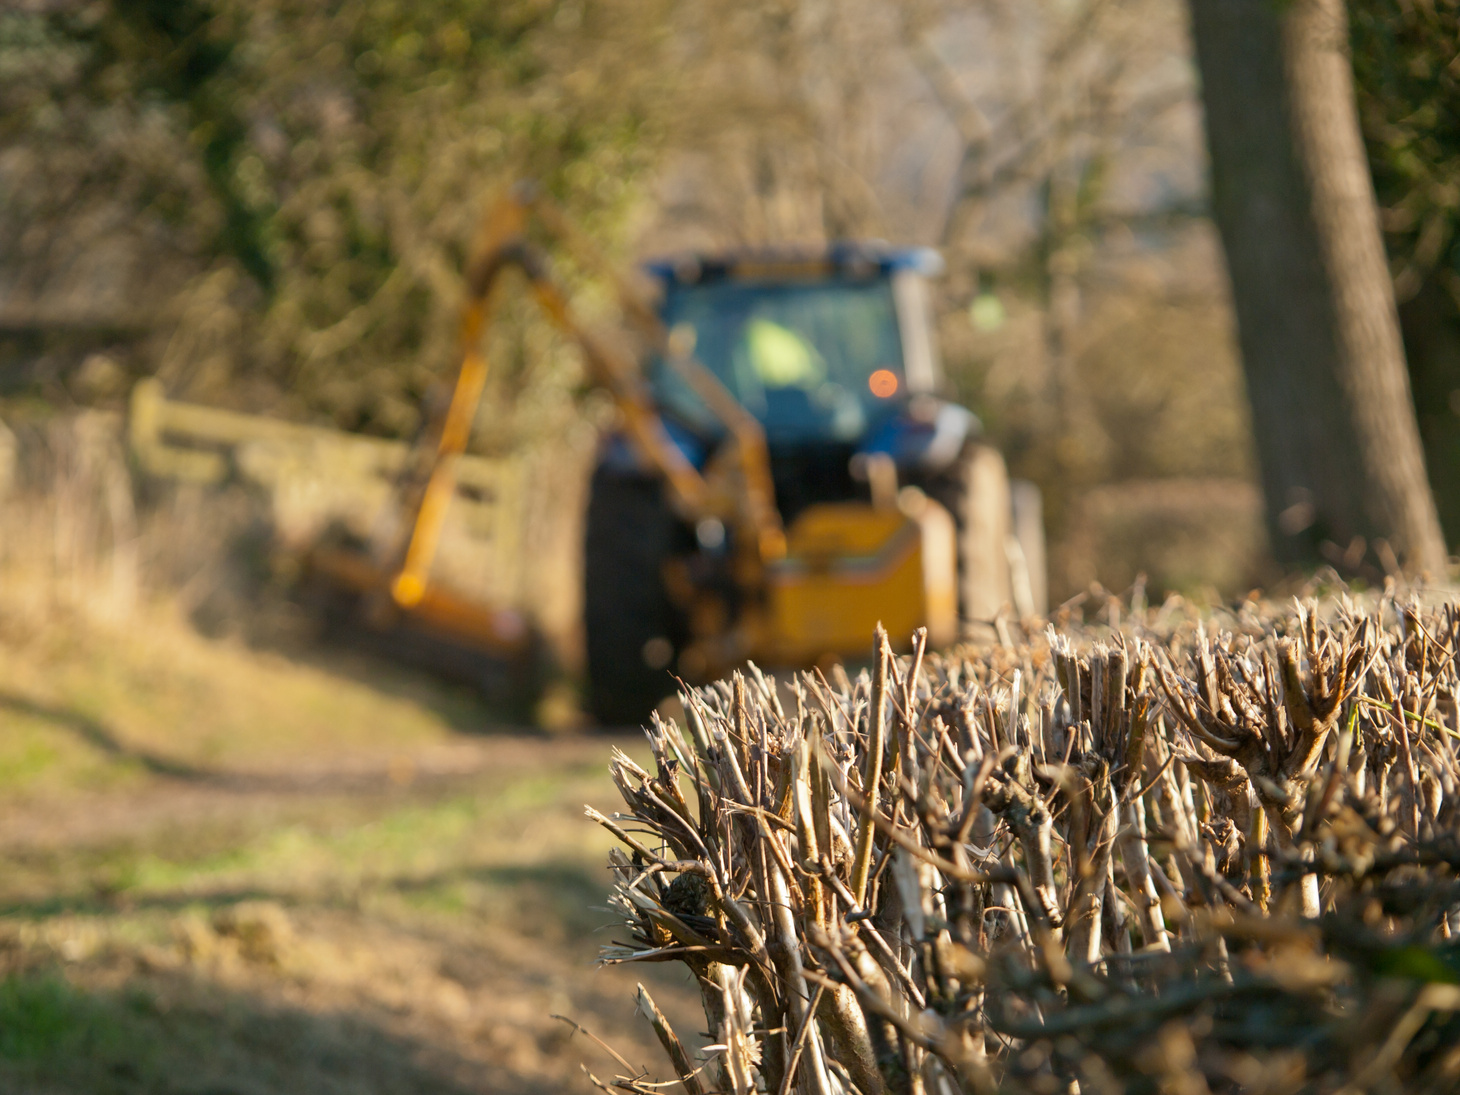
(389, 905)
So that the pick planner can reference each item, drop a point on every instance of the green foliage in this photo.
(50, 1027)
(1408, 80)
(295, 180)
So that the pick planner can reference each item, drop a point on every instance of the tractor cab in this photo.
(833, 354)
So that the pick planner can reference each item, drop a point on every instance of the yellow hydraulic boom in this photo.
(746, 503)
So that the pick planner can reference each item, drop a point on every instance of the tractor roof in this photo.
(851, 260)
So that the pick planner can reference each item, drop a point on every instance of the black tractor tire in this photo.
(633, 630)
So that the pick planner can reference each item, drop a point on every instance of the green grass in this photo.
(59, 1036)
(417, 840)
(151, 790)
(39, 751)
(427, 850)
(83, 708)
(24, 755)
(50, 1028)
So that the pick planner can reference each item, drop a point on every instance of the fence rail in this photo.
(317, 477)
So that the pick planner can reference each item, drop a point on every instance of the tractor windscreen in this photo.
(817, 361)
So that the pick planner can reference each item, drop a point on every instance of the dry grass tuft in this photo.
(1143, 860)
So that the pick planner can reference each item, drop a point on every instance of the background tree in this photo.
(1409, 106)
(279, 192)
(265, 203)
(1336, 435)
(1080, 95)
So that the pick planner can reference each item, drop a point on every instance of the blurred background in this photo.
(265, 207)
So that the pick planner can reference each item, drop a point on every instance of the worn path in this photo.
(230, 872)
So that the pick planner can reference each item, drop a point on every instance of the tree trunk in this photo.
(1336, 435)
(1430, 320)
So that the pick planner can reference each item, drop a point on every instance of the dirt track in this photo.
(396, 907)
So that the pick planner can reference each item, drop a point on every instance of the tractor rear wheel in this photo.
(1031, 568)
(975, 490)
(633, 630)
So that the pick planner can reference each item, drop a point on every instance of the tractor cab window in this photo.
(813, 362)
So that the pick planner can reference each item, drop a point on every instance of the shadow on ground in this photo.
(224, 872)
(462, 703)
(174, 1035)
(562, 899)
(104, 739)
(255, 993)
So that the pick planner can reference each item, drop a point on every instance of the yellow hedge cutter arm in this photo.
(740, 494)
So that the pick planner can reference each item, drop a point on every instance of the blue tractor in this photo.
(820, 372)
